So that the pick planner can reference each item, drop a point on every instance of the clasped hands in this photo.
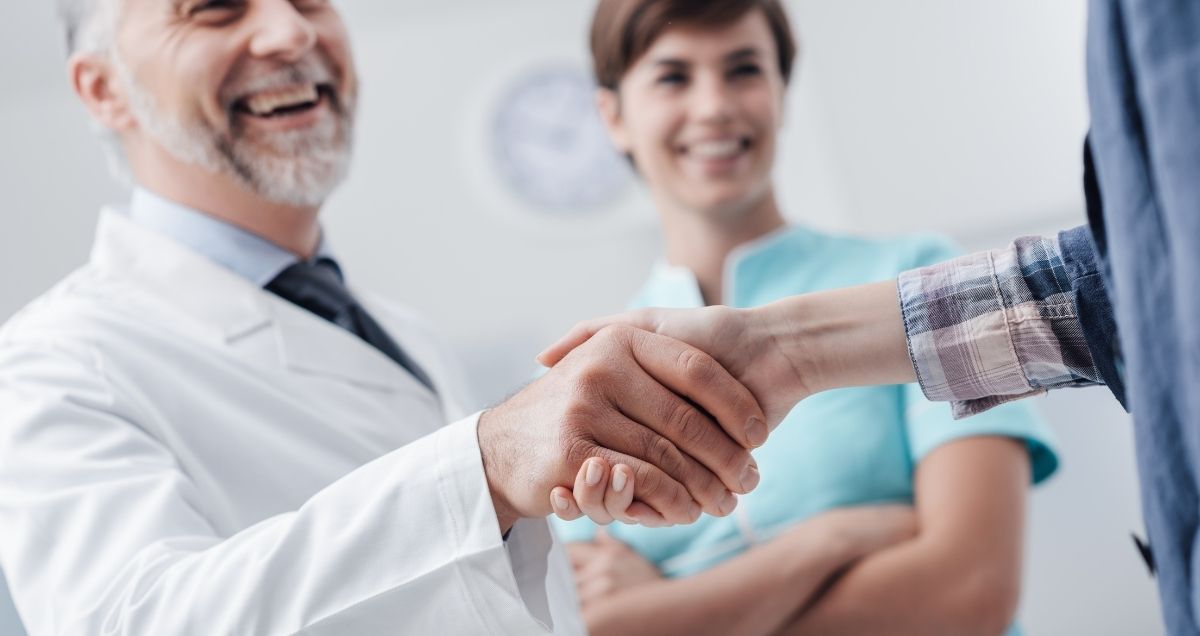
(650, 416)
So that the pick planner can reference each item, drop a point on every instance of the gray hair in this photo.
(89, 27)
(88, 24)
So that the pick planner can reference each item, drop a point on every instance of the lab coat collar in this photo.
(226, 308)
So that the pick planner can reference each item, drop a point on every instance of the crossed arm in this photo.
(755, 593)
(961, 574)
(954, 568)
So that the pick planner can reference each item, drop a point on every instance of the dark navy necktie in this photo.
(318, 287)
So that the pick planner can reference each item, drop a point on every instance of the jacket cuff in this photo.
(1080, 258)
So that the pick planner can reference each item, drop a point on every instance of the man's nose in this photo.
(280, 31)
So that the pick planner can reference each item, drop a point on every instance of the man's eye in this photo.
(215, 5)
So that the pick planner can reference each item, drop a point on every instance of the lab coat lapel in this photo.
(224, 309)
(202, 298)
(313, 345)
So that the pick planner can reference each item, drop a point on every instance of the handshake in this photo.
(649, 417)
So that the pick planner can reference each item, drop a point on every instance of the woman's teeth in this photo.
(716, 149)
(264, 104)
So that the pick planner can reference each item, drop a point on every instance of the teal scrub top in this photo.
(838, 448)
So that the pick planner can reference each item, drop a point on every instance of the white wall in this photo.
(965, 117)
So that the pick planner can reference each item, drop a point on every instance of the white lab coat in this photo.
(183, 453)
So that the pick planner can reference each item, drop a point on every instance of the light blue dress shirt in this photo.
(839, 448)
(244, 253)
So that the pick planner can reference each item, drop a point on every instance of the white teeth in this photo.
(715, 149)
(267, 103)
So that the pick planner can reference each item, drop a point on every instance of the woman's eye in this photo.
(745, 70)
(671, 79)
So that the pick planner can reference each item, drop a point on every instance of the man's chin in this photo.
(299, 182)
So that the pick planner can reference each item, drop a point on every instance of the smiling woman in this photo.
(694, 94)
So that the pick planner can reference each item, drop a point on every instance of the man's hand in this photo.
(739, 339)
(665, 409)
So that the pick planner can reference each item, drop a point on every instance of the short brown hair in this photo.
(622, 30)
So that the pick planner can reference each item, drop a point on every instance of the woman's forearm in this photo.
(753, 594)
(962, 574)
(913, 589)
(841, 338)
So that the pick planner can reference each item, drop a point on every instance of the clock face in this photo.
(550, 147)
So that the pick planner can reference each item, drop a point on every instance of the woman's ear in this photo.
(93, 78)
(608, 103)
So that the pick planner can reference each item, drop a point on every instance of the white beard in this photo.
(299, 168)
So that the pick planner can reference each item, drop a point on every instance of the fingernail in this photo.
(756, 432)
(728, 503)
(647, 522)
(619, 478)
(593, 473)
(750, 478)
(560, 502)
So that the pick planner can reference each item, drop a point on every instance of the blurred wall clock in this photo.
(550, 148)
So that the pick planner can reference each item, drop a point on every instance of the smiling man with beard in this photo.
(205, 431)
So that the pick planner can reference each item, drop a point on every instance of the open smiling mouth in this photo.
(295, 100)
(717, 150)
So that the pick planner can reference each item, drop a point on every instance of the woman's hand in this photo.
(606, 565)
(604, 496)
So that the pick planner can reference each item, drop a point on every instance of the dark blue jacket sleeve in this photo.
(1095, 308)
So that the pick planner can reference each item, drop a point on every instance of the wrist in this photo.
(785, 327)
(497, 468)
(843, 338)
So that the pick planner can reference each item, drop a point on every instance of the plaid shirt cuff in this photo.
(994, 327)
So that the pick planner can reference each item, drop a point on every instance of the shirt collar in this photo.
(244, 253)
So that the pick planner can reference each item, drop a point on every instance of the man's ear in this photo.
(94, 80)
(608, 103)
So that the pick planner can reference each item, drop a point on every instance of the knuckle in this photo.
(650, 482)
(677, 498)
(577, 450)
(620, 331)
(612, 334)
(697, 366)
(736, 457)
(662, 453)
(577, 412)
(689, 426)
(703, 485)
(667, 498)
(590, 374)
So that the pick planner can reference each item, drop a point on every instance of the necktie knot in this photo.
(318, 287)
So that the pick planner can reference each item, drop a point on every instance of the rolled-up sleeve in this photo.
(996, 326)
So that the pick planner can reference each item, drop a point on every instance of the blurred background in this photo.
(483, 195)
